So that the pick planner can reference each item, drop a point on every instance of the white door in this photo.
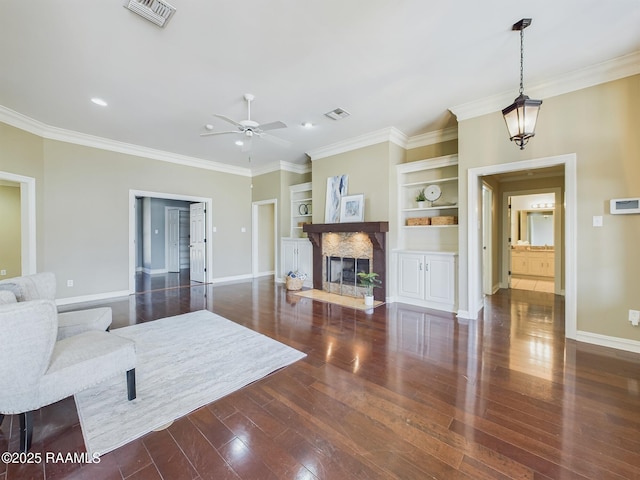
(487, 240)
(197, 242)
(173, 240)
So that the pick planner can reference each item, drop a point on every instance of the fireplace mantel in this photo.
(377, 234)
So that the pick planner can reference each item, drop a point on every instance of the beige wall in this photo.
(276, 185)
(21, 153)
(449, 147)
(10, 258)
(368, 171)
(600, 125)
(83, 209)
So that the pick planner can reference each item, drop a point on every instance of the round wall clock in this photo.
(432, 192)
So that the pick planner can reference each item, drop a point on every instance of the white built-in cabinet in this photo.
(427, 279)
(296, 255)
(425, 260)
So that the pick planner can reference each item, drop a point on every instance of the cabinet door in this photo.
(519, 263)
(305, 259)
(289, 257)
(439, 279)
(411, 275)
(537, 264)
(550, 264)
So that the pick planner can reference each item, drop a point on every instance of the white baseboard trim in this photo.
(153, 271)
(235, 278)
(92, 298)
(607, 341)
(264, 274)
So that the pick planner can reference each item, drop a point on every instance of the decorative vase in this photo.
(368, 299)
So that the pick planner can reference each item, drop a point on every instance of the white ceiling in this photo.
(399, 64)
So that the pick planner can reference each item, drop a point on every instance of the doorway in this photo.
(264, 239)
(533, 240)
(148, 252)
(473, 289)
(27, 187)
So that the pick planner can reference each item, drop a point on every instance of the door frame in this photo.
(474, 273)
(168, 196)
(254, 235)
(28, 243)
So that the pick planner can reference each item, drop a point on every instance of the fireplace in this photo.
(341, 250)
(341, 274)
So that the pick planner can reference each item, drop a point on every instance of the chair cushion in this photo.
(7, 296)
(9, 288)
(84, 360)
(39, 286)
(79, 321)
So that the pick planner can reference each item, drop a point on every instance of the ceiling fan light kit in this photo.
(521, 116)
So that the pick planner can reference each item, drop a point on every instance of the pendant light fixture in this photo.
(522, 114)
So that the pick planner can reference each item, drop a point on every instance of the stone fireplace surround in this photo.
(349, 240)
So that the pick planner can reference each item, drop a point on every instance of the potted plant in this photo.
(421, 198)
(369, 281)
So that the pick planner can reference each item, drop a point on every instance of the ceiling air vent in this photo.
(337, 114)
(156, 11)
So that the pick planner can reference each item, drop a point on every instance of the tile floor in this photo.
(532, 284)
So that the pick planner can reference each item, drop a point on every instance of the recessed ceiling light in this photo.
(99, 101)
(307, 125)
(239, 143)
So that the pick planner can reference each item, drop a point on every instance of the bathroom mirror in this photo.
(536, 227)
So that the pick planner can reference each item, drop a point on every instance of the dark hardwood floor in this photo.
(402, 393)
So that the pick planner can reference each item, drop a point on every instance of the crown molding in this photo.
(43, 130)
(608, 71)
(432, 138)
(389, 134)
(279, 166)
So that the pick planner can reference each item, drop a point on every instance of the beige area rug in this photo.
(183, 363)
(343, 300)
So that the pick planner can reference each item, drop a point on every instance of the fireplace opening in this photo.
(344, 270)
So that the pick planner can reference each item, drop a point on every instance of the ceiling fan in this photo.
(249, 128)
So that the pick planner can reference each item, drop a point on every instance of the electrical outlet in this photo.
(3, 272)
(69, 283)
(634, 317)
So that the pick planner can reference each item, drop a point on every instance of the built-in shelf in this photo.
(411, 178)
(301, 208)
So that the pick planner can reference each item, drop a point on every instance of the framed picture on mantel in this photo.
(352, 208)
(336, 187)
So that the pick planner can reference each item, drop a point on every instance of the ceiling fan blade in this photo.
(278, 141)
(207, 134)
(272, 126)
(227, 119)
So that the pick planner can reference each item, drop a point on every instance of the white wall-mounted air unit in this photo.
(156, 11)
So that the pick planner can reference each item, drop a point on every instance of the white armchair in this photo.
(42, 286)
(36, 370)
